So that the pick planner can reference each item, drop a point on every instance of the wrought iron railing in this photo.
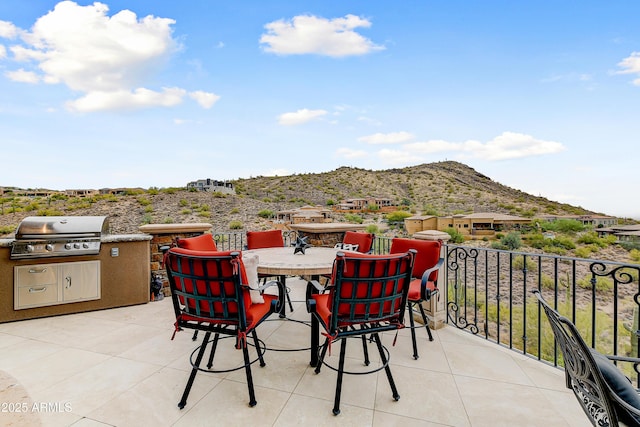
(488, 293)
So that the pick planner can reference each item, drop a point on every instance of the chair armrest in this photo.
(282, 291)
(425, 278)
(623, 359)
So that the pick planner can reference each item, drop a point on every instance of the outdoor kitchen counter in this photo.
(124, 277)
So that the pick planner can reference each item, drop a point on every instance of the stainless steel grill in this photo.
(51, 236)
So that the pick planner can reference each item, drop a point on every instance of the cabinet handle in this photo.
(68, 279)
(37, 290)
(38, 270)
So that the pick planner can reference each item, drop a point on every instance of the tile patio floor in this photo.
(119, 367)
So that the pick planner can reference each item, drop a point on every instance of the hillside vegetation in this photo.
(442, 188)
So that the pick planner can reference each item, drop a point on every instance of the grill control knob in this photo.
(76, 245)
(67, 245)
(48, 247)
(85, 245)
(29, 248)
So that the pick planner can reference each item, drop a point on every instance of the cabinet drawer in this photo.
(37, 295)
(34, 275)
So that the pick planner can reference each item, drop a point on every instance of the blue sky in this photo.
(542, 96)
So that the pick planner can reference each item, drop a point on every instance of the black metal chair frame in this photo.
(599, 401)
(425, 295)
(365, 320)
(230, 320)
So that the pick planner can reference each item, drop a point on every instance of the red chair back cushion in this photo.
(427, 256)
(372, 267)
(363, 240)
(204, 242)
(203, 266)
(264, 239)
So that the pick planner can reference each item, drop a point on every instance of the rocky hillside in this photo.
(441, 188)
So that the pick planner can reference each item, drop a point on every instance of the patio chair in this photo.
(268, 239)
(604, 392)
(425, 275)
(368, 295)
(210, 293)
(357, 241)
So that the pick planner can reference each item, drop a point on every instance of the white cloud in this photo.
(399, 157)
(22, 76)
(387, 138)
(308, 34)
(512, 145)
(205, 99)
(299, 117)
(631, 65)
(124, 99)
(8, 30)
(433, 146)
(107, 59)
(508, 145)
(349, 153)
(3, 52)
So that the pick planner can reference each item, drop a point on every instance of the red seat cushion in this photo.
(415, 289)
(204, 242)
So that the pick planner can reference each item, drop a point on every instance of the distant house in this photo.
(476, 225)
(364, 204)
(303, 215)
(624, 233)
(81, 192)
(212, 185)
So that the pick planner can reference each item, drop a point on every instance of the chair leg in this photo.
(413, 332)
(336, 402)
(426, 322)
(323, 353)
(365, 350)
(214, 346)
(194, 371)
(387, 369)
(247, 369)
(283, 280)
(256, 343)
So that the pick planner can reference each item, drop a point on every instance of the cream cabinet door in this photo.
(80, 280)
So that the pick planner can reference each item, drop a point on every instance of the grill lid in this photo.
(61, 227)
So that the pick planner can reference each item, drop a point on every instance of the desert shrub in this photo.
(397, 216)
(602, 283)
(235, 225)
(635, 255)
(563, 226)
(372, 228)
(519, 263)
(143, 201)
(234, 211)
(583, 252)
(265, 213)
(356, 219)
(456, 236)
(512, 240)
(591, 238)
(183, 202)
(7, 229)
